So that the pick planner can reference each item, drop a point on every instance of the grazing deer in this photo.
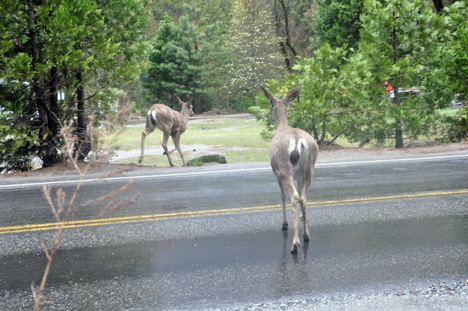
(170, 122)
(292, 156)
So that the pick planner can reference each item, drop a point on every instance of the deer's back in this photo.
(165, 118)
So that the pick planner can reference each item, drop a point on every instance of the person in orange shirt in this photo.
(389, 90)
(387, 87)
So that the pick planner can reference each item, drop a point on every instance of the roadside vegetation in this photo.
(239, 139)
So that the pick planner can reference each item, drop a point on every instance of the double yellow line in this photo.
(230, 211)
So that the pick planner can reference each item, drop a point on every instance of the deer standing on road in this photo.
(170, 122)
(293, 153)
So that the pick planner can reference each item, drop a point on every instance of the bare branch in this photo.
(46, 192)
(106, 197)
(116, 207)
(46, 251)
(62, 212)
(33, 291)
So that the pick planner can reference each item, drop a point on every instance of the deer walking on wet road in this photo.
(293, 153)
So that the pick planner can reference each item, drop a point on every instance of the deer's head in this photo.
(186, 106)
(278, 106)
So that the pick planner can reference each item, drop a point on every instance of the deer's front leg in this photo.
(306, 235)
(176, 139)
(164, 145)
(170, 151)
(303, 185)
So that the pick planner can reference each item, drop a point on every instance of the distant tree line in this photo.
(420, 48)
(64, 61)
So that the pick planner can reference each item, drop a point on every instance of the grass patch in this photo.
(241, 132)
(248, 156)
(238, 139)
(448, 111)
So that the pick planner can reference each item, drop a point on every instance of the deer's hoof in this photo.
(139, 161)
(294, 248)
(306, 238)
(285, 227)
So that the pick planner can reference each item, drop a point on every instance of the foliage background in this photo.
(65, 61)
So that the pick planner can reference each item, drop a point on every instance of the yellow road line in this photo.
(155, 217)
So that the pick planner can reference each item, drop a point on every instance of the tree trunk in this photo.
(287, 38)
(285, 56)
(47, 149)
(398, 135)
(286, 26)
(396, 99)
(53, 102)
(398, 122)
(439, 6)
(83, 146)
(199, 106)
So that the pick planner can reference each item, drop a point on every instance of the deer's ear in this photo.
(293, 94)
(178, 99)
(271, 99)
(189, 100)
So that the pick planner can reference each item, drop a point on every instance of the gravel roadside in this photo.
(442, 296)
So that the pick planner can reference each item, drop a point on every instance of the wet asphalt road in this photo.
(200, 238)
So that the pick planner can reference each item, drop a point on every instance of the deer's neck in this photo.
(184, 113)
(280, 117)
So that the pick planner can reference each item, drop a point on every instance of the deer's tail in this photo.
(296, 149)
(151, 117)
(294, 157)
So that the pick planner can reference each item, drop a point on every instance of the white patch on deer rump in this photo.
(300, 145)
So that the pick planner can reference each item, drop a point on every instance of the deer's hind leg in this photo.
(145, 133)
(303, 185)
(287, 184)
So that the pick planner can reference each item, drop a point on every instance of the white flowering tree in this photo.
(254, 48)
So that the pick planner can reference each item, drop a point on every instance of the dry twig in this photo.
(62, 210)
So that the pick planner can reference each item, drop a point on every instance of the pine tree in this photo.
(399, 41)
(337, 22)
(76, 48)
(184, 58)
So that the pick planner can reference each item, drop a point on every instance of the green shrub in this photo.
(257, 111)
(17, 147)
(457, 126)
